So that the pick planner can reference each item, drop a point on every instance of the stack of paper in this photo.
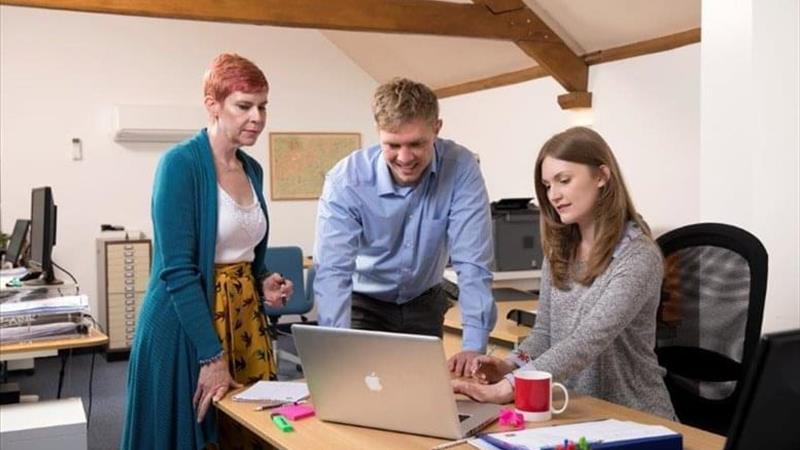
(53, 305)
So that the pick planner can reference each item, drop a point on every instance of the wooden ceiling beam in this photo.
(385, 16)
(647, 47)
(572, 100)
(505, 79)
(544, 45)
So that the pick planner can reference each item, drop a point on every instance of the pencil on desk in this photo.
(449, 444)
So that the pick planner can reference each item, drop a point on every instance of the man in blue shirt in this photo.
(389, 218)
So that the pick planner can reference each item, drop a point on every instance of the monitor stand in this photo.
(40, 279)
(31, 275)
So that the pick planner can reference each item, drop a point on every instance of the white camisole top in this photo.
(239, 228)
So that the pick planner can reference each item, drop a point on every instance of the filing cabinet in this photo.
(123, 272)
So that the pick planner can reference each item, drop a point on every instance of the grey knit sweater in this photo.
(598, 340)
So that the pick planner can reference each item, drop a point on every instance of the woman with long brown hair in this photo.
(596, 323)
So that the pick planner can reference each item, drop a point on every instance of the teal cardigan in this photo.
(184, 209)
(174, 331)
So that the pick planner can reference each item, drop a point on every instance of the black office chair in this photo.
(709, 319)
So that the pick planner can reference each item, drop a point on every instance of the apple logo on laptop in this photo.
(373, 382)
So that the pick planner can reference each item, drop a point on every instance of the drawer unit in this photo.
(123, 272)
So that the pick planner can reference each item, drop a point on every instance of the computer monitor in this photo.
(19, 237)
(43, 235)
(767, 412)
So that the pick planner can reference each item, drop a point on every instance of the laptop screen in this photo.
(768, 413)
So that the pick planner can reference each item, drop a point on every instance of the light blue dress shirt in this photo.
(392, 242)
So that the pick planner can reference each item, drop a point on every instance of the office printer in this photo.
(515, 228)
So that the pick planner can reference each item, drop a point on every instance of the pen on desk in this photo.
(449, 444)
(278, 404)
(499, 443)
(268, 406)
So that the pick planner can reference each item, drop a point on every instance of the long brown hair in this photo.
(614, 208)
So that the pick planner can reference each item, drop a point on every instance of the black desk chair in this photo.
(709, 319)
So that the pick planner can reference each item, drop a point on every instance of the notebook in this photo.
(391, 381)
(273, 391)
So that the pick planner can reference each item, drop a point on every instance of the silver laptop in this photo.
(392, 381)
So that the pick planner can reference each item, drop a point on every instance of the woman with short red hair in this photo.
(202, 329)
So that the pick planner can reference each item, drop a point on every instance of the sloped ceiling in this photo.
(586, 26)
(509, 40)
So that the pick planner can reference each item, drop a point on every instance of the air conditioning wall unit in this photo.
(157, 123)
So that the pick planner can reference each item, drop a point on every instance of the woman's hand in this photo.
(488, 369)
(500, 393)
(212, 384)
(276, 290)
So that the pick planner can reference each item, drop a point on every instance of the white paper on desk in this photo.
(7, 274)
(602, 430)
(32, 332)
(283, 391)
(53, 305)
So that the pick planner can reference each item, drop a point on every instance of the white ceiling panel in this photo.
(434, 60)
(591, 25)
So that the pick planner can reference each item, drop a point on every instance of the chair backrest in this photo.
(709, 319)
(288, 261)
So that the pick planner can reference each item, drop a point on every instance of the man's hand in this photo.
(500, 393)
(276, 290)
(213, 383)
(489, 369)
(459, 363)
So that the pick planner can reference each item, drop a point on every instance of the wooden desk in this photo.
(313, 433)
(506, 332)
(93, 339)
(34, 349)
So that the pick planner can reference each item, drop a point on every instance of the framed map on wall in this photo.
(298, 162)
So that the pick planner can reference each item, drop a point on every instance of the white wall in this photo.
(61, 72)
(750, 157)
(647, 108)
(735, 160)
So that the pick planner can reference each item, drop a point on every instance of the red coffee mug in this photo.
(533, 395)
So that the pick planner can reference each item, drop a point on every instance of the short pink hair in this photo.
(228, 73)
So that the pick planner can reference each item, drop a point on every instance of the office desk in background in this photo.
(504, 337)
(47, 347)
(525, 280)
(19, 350)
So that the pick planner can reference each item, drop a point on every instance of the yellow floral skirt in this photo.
(242, 329)
(241, 324)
